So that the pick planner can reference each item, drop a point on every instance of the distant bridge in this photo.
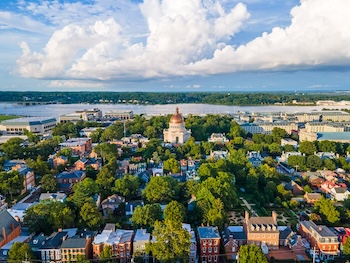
(33, 103)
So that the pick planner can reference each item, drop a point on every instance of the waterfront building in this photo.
(81, 115)
(267, 127)
(177, 133)
(37, 125)
(121, 115)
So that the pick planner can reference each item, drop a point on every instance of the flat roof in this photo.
(333, 136)
(29, 121)
(208, 232)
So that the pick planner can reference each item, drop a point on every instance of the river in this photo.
(55, 110)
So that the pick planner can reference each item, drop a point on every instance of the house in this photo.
(232, 238)
(218, 138)
(57, 197)
(111, 203)
(36, 242)
(209, 244)
(18, 210)
(59, 160)
(9, 164)
(131, 205)
(216, 155)
(294, 187)
(339, 193)
(81, 164)
(120, 241)
(71, 177)
(321, 237)
(311, 198)
(314, 179)
(285, 155)
(28, 178)
(74, 247)
(50, 251)
(262, 230)
(139, 244)
(6, 248)
(9, 228)
(254, 158)
(3, 204)
(327, 155)
(193, 245)
(79, 146)
(286, 235)
(289, 141)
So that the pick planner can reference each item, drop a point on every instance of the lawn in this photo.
(7, 117)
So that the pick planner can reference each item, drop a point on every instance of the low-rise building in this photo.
(339, 193)
(254, 158)
(209, 244)
(56, 197)
(111, 203)
(193, 245)
(121, 115)
(289, 141)
(71, 177)
(218, 138)
(232, 238)
(311, 198)
(79, 146)
(141, 238)
(321, 238)
(86, 132)
(37, 125)
(9, 228)
(262, 230)
(75, 247)
(85, 115)
(82, 163)
(51, 250)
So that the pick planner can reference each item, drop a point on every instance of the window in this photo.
(215, 249)
(210, 242)
(209, 258)
(215, 258)
(204, 249)
(215, 242)
(209, 249)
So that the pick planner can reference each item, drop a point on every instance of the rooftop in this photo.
(141, 234)
(208, 232)
(74, 243)
(29, 121)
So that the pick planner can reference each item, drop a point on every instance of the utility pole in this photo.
(313, 255)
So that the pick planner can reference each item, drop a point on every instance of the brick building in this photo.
(209, 242)
(9, 228)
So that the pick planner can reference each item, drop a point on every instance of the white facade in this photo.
(32, 124)
(177, 133)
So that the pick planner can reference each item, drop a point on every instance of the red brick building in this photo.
(9, 228)
(321, 238)
(209, 241)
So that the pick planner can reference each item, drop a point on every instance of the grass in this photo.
(7, 117)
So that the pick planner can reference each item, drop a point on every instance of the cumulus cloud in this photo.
(190, 37)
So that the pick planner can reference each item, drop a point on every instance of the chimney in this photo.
(60, 229)
(246, 216)
(4, 233)
(274, 216)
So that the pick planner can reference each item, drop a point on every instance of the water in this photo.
(55, 110)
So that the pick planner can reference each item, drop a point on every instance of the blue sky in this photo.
(168, 45)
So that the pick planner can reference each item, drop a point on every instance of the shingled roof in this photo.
(6, 221)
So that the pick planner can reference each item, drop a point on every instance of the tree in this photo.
(146, 216)
(12, 148)
(106, 178)
(251, 254)
(172, 165)
(83, 192)
(20, 252)
(96, 135)
(90, 215)
(346, 247)
(67, 129)
(128, 186)
(172, 242)
(48, 183)
(329, 164)
(175, 211)
(106, 253)
(289, 148)
(161, 189)
(327, 210)
(307, 189)
(314, 162)
(298, 162)
(307, 147)
(327, 146)
(11, 182)
(113, 132)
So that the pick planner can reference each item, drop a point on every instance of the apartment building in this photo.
(267, 127)
(209, 244)
(79, 146)
(73, 248)
(51, 250)
(321, 238)
(193, 245)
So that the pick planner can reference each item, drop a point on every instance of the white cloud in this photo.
(185, 37)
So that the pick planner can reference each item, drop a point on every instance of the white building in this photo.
(85, 115)
(177, 132)
(218, 138)
(254, 158)
(285, 155)
(38, 125)
(267, 127)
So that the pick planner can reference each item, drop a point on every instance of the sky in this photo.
(174, 45)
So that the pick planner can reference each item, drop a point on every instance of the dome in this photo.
(176, 118)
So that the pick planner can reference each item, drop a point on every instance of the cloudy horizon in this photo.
(167, 45)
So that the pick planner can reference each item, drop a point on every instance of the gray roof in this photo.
(340, 190)
(29, 121)
(285, 232)
(54, 241)
(142, 235)
(6, 221)
(208, 232)
(74, 243)
(320, 229)
(330, 136)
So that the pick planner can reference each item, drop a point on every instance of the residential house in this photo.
(120, 241)
(9, 228)
(4, 250)
(15, 163)
(81, 164)
(193, 245)
(18, 210)
(141, 238)
(285, 155)
(74, 247)
(36, 242)
(72, 177)
(216, 155)
(218, 138)
(57, 197)
(321, 238)
(339, 193)
(289, 141)
(28, 178)
(254, 158)
(51, 250)
(262, 230)
(79, 146)
(294, 187)
(131, 205)
(232, 238)
(311, 198)
(327, 155)
(111, 203)
(314, 179)
(286, 235)
(209, 244)
(3, 204)
(59, 160)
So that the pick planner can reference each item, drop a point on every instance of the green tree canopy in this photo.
(12, 148)
(172, 242)
(145, 216)
(128, 186)
(314, 162)
(11, 182)
(171, 165)
(48, 183)
(20, 252)
(327, 210)
(175, 211)
(251, 254)
(161, 189)
(307, 147)
(83, 192)
(90, 216)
